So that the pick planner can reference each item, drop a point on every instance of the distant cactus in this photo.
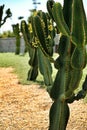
(32, 50)
(16, 32)
(37, 58)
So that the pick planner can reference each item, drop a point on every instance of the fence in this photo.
(9, 45)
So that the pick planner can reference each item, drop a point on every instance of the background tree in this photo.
(7, 13)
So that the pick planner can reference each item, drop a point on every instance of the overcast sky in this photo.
(21, 8)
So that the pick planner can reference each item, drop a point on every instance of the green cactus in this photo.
(37, 58)
(32, 50)
(49, 7)
(44, 35)
(45, 68)
(72, 55)
(71, 61)
(16, 31)
(43, 61)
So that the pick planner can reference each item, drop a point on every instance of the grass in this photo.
(19, 63)
(21, 67)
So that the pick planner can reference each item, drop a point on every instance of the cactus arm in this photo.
(67, 12)
(40, 32)
(45, 68)
(78, 28)
(33, 62)
(78, 35)
(59, 19)
(81, 94)
(58, 85)
(26, 33)
(74, 82)
(44, 17)
(49, 7)
(78, 59)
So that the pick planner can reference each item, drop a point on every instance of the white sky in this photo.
(21, 8)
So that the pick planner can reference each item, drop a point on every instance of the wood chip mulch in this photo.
(26, 107)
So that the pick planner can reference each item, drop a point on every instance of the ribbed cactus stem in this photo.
(59, 109)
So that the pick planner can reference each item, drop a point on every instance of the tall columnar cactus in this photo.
(16, 31)
(71, 23)
(8, 15)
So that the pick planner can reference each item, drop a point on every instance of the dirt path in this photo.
(26, 107)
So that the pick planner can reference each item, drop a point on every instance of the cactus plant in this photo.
(35, 54)
(71, 60)
(32, 50)
(47, 32)
(37, 58)
(16, 31)
(45, 35)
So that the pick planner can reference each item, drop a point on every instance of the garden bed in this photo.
(26, 107)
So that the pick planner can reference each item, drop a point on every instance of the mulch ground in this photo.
(26, 107)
